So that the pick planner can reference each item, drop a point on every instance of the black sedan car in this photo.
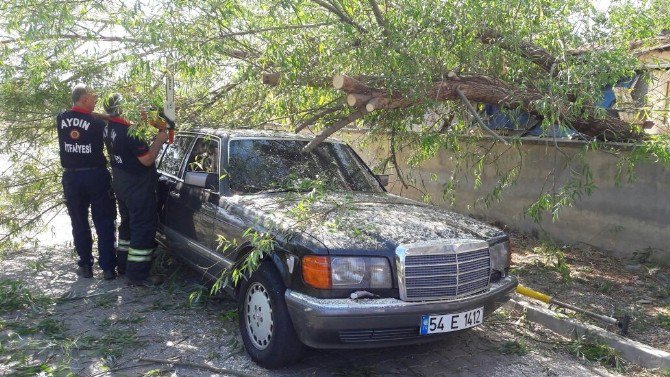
(350, 265)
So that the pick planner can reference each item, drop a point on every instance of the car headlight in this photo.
(501, 256)
(346, 272)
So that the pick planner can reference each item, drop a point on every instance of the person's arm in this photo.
(149, 158)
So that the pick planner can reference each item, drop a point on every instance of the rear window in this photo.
(257, 165)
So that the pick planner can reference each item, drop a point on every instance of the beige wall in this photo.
(633, 218)
(657, 96)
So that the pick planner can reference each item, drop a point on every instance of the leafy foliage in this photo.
(15, 295)
(219, 49)
(592, 349)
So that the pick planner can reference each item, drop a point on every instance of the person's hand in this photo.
(162, 136)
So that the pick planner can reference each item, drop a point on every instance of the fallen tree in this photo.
(240, 64)
(488, 90)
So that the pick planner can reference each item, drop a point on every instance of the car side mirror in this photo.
(383, 179)
(202, 179)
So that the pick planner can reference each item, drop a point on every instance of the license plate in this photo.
(431, 324)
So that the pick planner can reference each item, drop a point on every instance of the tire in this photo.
(269, 336)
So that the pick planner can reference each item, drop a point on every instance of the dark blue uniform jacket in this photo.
(80, 139)
(124, 149)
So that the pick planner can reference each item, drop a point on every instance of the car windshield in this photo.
(266, 165)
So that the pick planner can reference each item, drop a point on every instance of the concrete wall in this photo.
(630, 220)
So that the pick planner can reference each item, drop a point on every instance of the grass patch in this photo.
(229, 315)
(663, 321)
(593, 350)
(15, 295)
(514, 347)
(604, 286)
(554, 259)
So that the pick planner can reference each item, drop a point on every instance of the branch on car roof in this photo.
(318, 116)
(334, 128)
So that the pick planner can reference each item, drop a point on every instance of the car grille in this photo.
(439, 271)
(379, 335)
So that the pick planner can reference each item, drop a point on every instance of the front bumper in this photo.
(366, 323)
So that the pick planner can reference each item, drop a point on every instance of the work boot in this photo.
(85, 271)
(109, 274)
(151, 281)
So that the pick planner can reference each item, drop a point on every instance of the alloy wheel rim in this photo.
(258, 316)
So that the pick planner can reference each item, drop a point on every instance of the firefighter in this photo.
(86, 182)
(134, 182)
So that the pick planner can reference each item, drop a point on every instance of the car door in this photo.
(173, 214)
(202, 201)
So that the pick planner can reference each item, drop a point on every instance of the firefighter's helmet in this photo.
(112, 104)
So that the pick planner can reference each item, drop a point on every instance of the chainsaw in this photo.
(163, 119)
(157, 118)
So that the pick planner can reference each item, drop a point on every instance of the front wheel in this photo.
(267, 330)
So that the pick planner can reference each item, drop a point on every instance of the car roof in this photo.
(255, 133)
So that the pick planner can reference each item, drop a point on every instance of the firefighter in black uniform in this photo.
(135, 180)
(86, 182)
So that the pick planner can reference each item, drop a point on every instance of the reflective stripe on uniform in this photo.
(140, 252)
(139, 258)
(122, 245)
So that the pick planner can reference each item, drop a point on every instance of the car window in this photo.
(204, 156)
(174, 155)
(257, 165)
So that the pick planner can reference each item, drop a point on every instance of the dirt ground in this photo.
(52, 323)
(589, 278)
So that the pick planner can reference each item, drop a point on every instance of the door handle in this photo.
(175, 194)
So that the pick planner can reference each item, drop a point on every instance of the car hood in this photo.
(361, 222)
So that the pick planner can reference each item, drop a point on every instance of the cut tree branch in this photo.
(357, 99)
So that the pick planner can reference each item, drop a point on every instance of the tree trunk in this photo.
(497, 92)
